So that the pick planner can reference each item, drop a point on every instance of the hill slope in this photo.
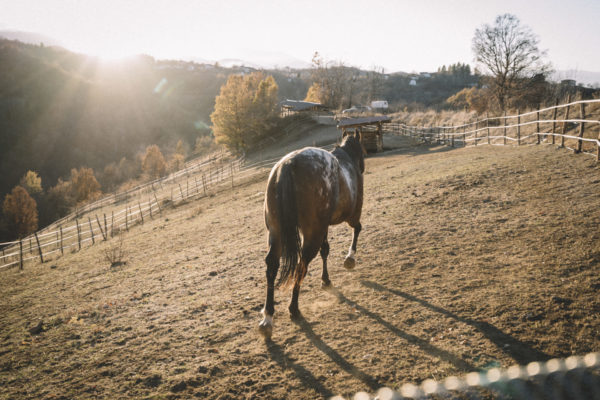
(468, 258)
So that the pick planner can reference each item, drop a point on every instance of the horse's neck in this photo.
(345, 157)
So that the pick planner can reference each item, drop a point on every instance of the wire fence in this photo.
(556, 125)
(575, 377)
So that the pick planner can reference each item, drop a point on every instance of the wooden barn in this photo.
(370, 128)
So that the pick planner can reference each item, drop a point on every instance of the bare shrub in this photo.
(114, 254)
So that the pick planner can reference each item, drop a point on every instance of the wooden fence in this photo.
(100, 223)
(103, 219)
(551, 125)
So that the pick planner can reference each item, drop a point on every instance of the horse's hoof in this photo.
(326, 285)
(295, 314)
(349, 263)
(265, 328)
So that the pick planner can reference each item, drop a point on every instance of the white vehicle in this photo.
(381, 104)
(356, 109)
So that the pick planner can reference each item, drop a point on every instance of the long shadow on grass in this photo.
(416, 150)
(519, 351)
(335, 356)
(421, 343)
(308, 379)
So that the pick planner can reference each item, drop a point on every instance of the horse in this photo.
(307, 191)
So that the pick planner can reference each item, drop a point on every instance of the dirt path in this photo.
(468, 259)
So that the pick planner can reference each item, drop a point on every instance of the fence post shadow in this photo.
(336, 357)
(423, 344)
(516, 349)
(278, 355)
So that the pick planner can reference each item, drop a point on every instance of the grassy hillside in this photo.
(469, 258)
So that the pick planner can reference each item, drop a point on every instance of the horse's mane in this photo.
(352, 146)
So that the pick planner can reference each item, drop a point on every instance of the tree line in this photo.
(82, 127)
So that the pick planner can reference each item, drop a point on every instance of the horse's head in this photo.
(352, 144)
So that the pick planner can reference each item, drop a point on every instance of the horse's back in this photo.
(315, 175)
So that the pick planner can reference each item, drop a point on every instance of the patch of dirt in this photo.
(468, 259)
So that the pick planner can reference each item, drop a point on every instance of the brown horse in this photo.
(307, 191)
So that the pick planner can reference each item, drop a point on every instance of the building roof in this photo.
(351, 122)
(296, 105)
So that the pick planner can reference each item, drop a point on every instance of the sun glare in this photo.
(111, 55)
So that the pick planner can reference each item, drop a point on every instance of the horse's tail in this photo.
(287, 208)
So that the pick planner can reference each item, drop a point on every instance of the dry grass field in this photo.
(468, 259)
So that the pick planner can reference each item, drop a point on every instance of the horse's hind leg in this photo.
(272, 261)
(310, 248)
(326, 283)
(349, 262)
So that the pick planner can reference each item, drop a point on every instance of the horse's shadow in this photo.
(516, 349)
(277, 354)
(334, 355)
(425, 345)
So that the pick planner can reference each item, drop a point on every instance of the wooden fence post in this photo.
(518, 127)
(127, 217)
(62, 252)
(57, 240)
(476, 126)
(537, 125)
(581, 127)
(39, 247)
(554, 120)
(196, 180)
(105, 226)
(78, 233)
(487, 125)
(100, 226)
(20, 253)
(181, 191)
(141, 213)
(452, 138)
(157, 203)
(112, 224)
(204, 184)
(92, 231)
(564, 126)
(150, 205)
(504, 123)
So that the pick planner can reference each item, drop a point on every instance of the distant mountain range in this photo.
(30, 37)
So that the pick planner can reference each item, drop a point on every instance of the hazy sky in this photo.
(415, 35)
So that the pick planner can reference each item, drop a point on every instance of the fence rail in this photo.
(552, 379)
(196, 181)
(580, 134)
(120, 211)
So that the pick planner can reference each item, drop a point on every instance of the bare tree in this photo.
(332, 82)
(510, 52)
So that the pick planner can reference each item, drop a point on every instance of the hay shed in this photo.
(370, 128)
